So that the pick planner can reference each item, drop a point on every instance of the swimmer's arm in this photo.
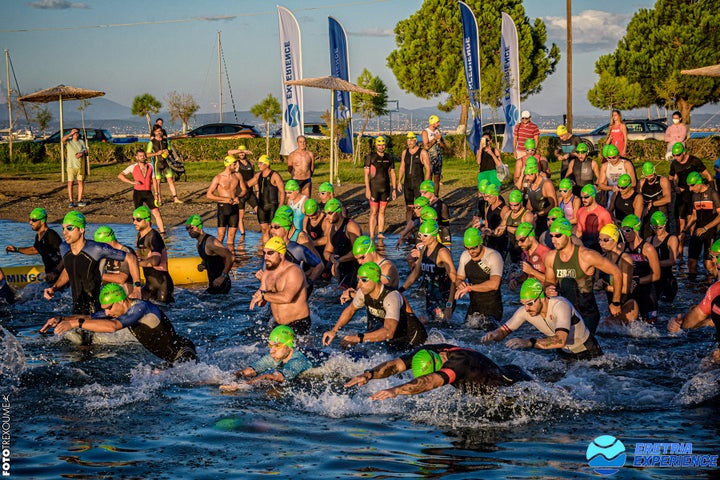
(211, 193)
(383, 333)
(31, 250)
(61, 325)
(152, 260)
(241, 185)
(215, 248)
(345, 317)
(413, 276)
(425, 160)
(61, 281)
(115, 277)
(274, 377)
(496, 335)
(556, 341)
(413, 387)
(695, 318)
(384, 370)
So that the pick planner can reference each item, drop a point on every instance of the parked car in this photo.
(310, 130)
(226, 131)
(637, 130)
(94, 135)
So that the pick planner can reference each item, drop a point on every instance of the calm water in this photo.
(102, 413)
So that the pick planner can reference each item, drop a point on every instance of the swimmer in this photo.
(301, 166)
(283, 286)
(364, 252)
(217, 260)
(283, 363)
(143, 319)
(153, 258)
(436, 365)
(389, 317)
(227, 188)
(47, 245)
(555, 317)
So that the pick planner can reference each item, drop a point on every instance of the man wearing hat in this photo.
(115, 271)
(217, 260)
(524, 130)
(341, 232)
(389, 317)
(533, 255)
(142, 182)
(434, 143)
(556, 318)
(479, 274)
(271, 194)
(47, 245)
(283, 286)
(656, 193)
(611, 171)
(566, 148)
(702, 223)
(414, 168)
(428, 189)
(380, 185)
(305, 256)
(591, 217)
(76, 165)
(582, 169)
(301, 165)
(81, 259)
(226, 188)
(540, 194)
(144, 320)
(440, 364)
(570, 271)
(152, 254)
(246, 169)
(627, 201)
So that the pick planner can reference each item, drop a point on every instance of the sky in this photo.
(132, 47)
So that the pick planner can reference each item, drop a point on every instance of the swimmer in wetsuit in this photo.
(47, 244)
(271, 194)
(341, 232)
(151, 252)
(436, 365)
(380, 185)
(143, 319)
(217, 260)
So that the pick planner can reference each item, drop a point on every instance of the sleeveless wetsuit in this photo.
(477, 272)
(158, 282)
(493, 219)
(443, 221)
(512, 222)
(577, 286)
(214, 266)
(538, 202)
(414, 175)
(666, 287)
(268, 198)
(623, 206)
(247, 172)
(341, 246)
(643, 294)
(437, 284)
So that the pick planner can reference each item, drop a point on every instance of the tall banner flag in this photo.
(292, 96)
(340, 67)
(471, 58)
(511, 78)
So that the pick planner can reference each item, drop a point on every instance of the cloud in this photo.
(592, 29)
(57, 5)
(374, 32)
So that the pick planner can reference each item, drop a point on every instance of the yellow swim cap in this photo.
(433, 119)
(264, 159)
(611, 230)
(165, 155)
(277, 244)
(229, 160)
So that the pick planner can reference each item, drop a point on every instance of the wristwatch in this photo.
(448, 305)
(616, 304)
(137, 284)
(361, 336)
(80, 322)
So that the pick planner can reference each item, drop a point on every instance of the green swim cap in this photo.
(531, 289)
(74, 218)
(565, 184)
(292, 186)
(648, 169)
(581, 148)
(111, 293)
(310, 206)
(283, 335)
(429, 227)
(363, 245)
(427, 186)
(425, 362)
(482, 185)
(561, 225)
(284, 222)
(556, 212)
(326, 187)
(421, 202)
(472, 238)
(38, 214)
(104, 234)
(369, 270)
(285, 211)
(715, 248)
(333, 205)
(515, 196)
(194, 220)
(142, 212)
(530, 144)
(589, 190)
(694, 179)
(612, 151)
(492, 190)
(525, 229)
(658, 218)
(428, 213)
(632, 221)
(624, 180)
(678, 148)
(531, 168)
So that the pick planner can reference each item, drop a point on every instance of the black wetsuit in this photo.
(214, 266)
(665, 288)
(342, 246)
(583, 174)
(577, 287)
(315, 232)
(493, 219)
(437, 284)
(247, 172)
(538, 202)
(158, 282)
(49, 249)
(683, 202)
(380, 187)
(116, 266)
(413, 176)
(643, 294)
(443, 221)
(470, 370)
(623, 206)
(268, 198)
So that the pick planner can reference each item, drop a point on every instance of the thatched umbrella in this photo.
(58, 94)
(710, 71)
(334, 84)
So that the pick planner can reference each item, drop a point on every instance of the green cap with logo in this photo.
(333, 205)
(429, 227)
(283, 335)
(556, 212)
(142, 212)
(624, 180)
(658, 219)
(582, 148)
(531, 289)
(472, 238)
(565, 184)
(612, 151)
(632, 221)
(104, 234)
(75, 219)
(369, 270)
(530, 144)
(285, 211)
(492, 190)
(515, 196)
(38, 214)
(694, 178)
(425, 362)
(428, 213)
(525, 229)
(326, 187)
(427, 186)
(310, 206)
(292, 186)
(648, 169)
(282, 221)
(112, 293)
(363, 245)
(194, 220)
(561, 225)
(421, 202)
(589, 190)
(678, 148)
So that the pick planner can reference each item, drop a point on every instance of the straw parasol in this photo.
(58, 94)
(334, 84)
(709, 71)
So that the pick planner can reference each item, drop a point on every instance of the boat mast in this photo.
(9, 101)
(220, 74)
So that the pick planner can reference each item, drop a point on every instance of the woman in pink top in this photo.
(677, 132)
(617, 134)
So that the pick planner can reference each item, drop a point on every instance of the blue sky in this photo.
(131, 47)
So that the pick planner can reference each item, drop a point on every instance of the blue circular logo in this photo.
(606, 454)
(292, 115)
(511, 114)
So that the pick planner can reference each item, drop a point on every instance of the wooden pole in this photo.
(568, 72)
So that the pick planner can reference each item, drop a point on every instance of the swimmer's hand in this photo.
(230, 387)
(357, 381)
(49, 293)
(257, 300)
(59, 325)
(347, 295)
(259, 274)
(201, 267)
(462, 290)
(328, 337)
(675, 324)
(494, 336)
(349, 340)
(551, 291)
(516, 343)
(383, 394)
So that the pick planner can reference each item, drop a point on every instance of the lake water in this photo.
(101, 412)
